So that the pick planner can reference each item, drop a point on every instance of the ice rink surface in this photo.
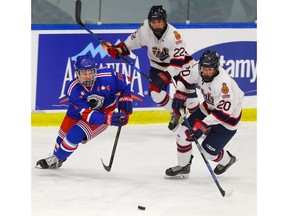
(81, 187)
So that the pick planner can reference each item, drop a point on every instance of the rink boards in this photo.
(54, 51)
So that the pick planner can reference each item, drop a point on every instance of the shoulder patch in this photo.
(224, 89)
(177, 35)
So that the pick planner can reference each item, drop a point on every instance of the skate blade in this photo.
(38, 167)
(180, 176)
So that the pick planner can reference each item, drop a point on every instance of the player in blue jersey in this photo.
(92, 95)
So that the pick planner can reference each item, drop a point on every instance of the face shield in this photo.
(86, 77)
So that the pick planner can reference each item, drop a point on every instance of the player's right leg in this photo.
(163, 99)
(213, 146)
(52, 161)
(184, 155)
(79, 132)
(220, 168)
(174, 122)
(61, 152)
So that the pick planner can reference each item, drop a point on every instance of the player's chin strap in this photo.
(78, 20)
(223, 193)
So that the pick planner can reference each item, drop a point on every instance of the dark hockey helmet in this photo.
(157, 12)
(82, 65)
(209, 59)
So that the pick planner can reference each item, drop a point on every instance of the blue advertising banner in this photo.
(56, 57)
(57, 54)
(239, 59)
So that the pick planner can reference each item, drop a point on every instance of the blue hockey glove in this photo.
(161, 79)
(125, 104)
(116, 119)
(197, 130)
(178, 103)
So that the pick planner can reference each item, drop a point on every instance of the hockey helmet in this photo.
(157, 12)
(85, 65)
(209, 59)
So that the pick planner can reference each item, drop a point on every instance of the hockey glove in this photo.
(179, 101)
(116, 119)
(125, 104)
(119, 50)
(162, 79)
(197, 130)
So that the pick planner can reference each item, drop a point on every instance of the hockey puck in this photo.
(141, 207)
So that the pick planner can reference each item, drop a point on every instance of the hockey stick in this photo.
(223, 193)
(78, 7)
(108, 168)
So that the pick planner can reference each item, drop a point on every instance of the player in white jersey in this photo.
(167, 54)
(217, 118)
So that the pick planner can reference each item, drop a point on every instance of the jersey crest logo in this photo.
(96, 100)
(162, 55)
(224, 89)
(208, 97)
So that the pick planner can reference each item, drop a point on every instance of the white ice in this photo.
(81, 187)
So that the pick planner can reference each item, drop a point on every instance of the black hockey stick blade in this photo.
(78, 7)
(224, 193)
(107, 168)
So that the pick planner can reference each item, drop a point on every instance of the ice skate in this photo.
(50, 162)
(219, 169)
(179, 172)
(174, 122)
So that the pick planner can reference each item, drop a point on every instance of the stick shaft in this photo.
(78, 20)
(204, 158)
(108, 168)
